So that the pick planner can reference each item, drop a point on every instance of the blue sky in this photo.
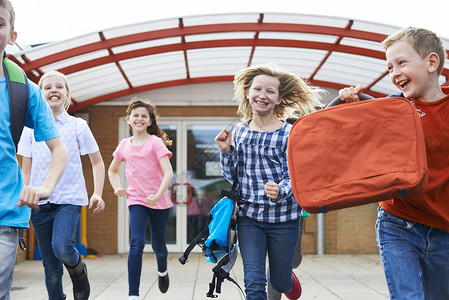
(51, 20)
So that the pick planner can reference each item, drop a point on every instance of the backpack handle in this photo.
(338, 101)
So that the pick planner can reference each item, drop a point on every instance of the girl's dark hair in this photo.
(153, 128)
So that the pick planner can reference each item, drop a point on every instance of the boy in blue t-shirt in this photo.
(16, 200)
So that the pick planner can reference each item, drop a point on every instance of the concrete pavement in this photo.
(323, 277)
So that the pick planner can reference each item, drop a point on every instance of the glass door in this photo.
(198, 179)
(204, 175)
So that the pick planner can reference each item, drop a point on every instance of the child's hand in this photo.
(272, 190)
(30, 196)
(223, 140)
(153, 199)
(120, 192)
(100, 203)
(349, 94)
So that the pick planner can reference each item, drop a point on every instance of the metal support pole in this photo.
(320, 234)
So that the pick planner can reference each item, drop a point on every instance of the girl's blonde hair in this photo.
(66, 83)
(297, 96)
(153, 128)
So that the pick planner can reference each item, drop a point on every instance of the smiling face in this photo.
(409, 72)
(55, 92)
(139, 120)
(263, 94)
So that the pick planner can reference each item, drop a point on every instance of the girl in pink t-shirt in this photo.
(149, 174)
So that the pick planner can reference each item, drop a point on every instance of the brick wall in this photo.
(102, 227)
(346, 231)
(356, 232)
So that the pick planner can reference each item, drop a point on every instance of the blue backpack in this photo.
(218, 240)
(221, 230)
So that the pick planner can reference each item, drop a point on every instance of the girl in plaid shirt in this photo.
(255, 154)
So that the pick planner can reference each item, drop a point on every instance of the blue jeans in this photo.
(9, 239)
(256, 239)
(55, 226)
(415, 258)
(138, 221)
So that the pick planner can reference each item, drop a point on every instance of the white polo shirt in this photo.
(79, 140)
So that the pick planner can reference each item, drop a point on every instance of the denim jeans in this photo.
(256, 239)
(297, 259)
(55, 226)
(9, 239)
(415, 258)
(138, 220)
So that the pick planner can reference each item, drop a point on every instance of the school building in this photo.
(185, 66)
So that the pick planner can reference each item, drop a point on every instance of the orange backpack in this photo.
(357, 153)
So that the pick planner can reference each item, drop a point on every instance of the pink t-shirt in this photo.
(143, 170)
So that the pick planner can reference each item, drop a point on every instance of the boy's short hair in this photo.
(422, 40)
(7, 4)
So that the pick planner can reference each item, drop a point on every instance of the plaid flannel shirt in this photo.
(260, 157)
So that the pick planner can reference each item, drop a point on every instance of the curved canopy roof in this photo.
(327, 51)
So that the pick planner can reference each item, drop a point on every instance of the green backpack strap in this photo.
(17, 84)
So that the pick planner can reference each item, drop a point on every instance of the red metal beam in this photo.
(179, 82)
(338, 86)
(337, 42)
(29, 73)
(203, 29)
(256, 36)
(35, 78)
(181, 31)
(379, 78)
(183, 41)
(149, 87)
(220, 43)
(117, 63)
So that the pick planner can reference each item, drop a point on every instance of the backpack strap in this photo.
(200, 238)
(337, 101)
(221, 272)
(22, 243)
(235, 193)
(17, 85)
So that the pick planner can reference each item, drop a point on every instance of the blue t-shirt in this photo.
(40, 118)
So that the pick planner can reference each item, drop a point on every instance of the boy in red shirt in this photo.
(412, 233)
